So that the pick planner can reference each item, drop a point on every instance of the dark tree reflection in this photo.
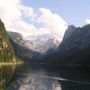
(6, 74)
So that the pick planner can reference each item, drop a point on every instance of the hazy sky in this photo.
(35, 17)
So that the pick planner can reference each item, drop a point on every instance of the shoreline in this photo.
(10, 63)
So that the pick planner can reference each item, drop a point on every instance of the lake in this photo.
(44, 77)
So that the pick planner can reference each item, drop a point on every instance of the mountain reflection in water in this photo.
(33, 78)
(43, 77)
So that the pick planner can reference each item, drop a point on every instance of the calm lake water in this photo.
(44, 77)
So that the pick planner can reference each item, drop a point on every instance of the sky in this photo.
(72, 11)
(35, 17)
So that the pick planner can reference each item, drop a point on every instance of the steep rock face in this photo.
(6, 49)
(17, 38)
(75, 38)
(71, 29)
(20, 46)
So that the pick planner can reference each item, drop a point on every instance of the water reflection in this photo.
(6, 73)
(39, 77)
(38, 83)
(33, 79)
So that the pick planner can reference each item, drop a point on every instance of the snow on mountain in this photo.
(42, 43)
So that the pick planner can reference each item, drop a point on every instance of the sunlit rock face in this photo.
(20, 46)
(6, 49)
(17, 38)
(75, 38)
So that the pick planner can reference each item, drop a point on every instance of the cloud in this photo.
(27, 11)
(52, 22)
(88, 21)
(13, 12)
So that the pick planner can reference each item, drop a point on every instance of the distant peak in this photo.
(71, 27)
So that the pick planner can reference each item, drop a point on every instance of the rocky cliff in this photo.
(6, 49)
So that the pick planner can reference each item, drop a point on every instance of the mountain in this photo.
(22, 49)
(6, 49)
(17, 38)
(74, 49)
(42, 43)
(20, 46)
(72, 57)
(75, 38)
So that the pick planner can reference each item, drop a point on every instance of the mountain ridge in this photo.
(77, 38)
(74, 50)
